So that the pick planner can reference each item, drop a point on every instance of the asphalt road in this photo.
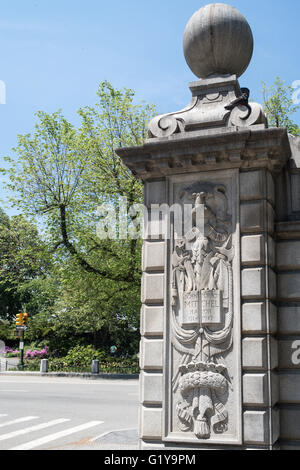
(38, 413)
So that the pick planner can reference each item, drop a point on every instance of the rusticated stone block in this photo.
(289, 320)
(253, 283)
(151, 388)
(254, 318)
(153, 288)
(153, 256)
(253, 250)
(258, 184)
(290, 422)
(255, 353)
(289, 353)
(155, 193)
(151, 354)
(289, 286)
(256, 427)
(152, 320)
(252, 185)
(151, 423)
(257, 216)
(252, 216)
(288, 255)
(290, 387)
(256, 389)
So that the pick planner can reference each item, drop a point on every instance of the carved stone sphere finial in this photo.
(218, 41)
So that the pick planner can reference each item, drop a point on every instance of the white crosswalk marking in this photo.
(52, 437)
(37, 427)
(1, 416)
(19, 420)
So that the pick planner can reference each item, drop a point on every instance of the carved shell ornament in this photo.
(202, 318)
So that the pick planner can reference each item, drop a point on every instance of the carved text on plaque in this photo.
(202, 316)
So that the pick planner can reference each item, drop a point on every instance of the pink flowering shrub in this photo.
(11, 352)
(37, 354)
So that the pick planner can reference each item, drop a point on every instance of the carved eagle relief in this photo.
(202, 314)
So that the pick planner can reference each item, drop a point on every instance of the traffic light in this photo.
(25, 318)
(19, 319)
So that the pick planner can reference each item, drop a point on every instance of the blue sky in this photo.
(56, 52)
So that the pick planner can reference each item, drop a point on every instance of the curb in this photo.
(82, 375)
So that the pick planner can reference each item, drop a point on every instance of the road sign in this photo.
(21, 328)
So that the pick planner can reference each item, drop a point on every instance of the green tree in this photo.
(61, 175)
(279, 106)
(24, 266)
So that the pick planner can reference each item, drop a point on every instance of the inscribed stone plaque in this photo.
(191, 305)
(211, 302)
(202, 361)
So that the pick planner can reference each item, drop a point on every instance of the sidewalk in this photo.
(126, 439)
(82, 375)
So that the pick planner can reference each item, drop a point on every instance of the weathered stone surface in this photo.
(181, 153)
(208, 28)
(151, 446)
(254, 318)
(151, 423)
(153, 256)
(271, 196)
(252, 217)
(206, 156)
(289, 353)
(289, 320)
(151, 388)
(204, 316)
(154, 225)
(290, 422)
(288, 255)
(253, 250)
(155, 193)
(152, 321)
(289, 387)
(288, 286)
(256, 389)
(151, 354)
(255, 353)
(252, 185)
(271, 252)
(257, 216)
(256, 427)
(153, 288)
(272, 285)
(253, 283)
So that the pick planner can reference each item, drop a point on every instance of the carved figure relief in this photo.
(202, 316)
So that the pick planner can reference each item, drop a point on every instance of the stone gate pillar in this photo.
(209, 318)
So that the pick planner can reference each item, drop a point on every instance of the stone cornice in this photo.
(206, 150)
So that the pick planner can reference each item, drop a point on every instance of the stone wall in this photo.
(288, 298)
